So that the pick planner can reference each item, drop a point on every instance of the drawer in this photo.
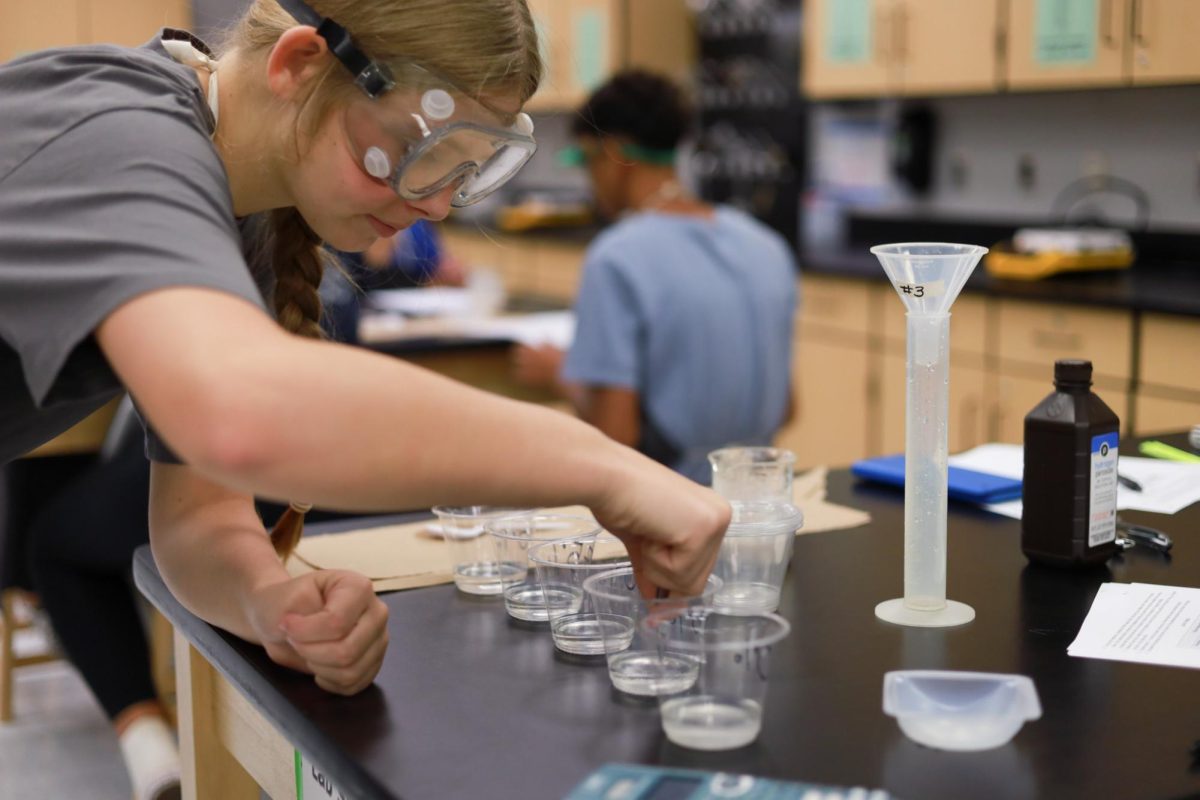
(1155, 414)
(1170, 352)
(1014, 396)
(968, 322)
(835, 304)
(1036, 334)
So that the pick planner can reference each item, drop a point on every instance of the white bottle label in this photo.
(1102, 505)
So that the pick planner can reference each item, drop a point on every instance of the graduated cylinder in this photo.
(927, 277)
(927, 410)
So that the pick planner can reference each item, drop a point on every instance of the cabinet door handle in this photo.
(900, 31)
(1139, 23)
(1057, 340)
(968, 426)
(883, 41)
(1106, 22)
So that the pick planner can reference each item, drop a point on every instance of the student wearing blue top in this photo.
(685, 310)
(412, 258)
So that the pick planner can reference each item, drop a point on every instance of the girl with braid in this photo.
(163, 211)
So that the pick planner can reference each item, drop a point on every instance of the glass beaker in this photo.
(753, 474)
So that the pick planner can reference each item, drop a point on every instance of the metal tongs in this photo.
(1140, 534)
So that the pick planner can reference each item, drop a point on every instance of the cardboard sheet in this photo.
(394, 557)
(808, 493)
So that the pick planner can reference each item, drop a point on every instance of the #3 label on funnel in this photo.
(920, 291)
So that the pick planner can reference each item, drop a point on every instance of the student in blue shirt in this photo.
(685, 310)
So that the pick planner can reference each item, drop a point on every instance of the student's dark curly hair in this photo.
(647, 108)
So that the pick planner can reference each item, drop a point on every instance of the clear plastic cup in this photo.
(753, 474)
(722, 709)
(634, 664)
(754, 556)
(562, 567)
(513, 538)
(472, 555)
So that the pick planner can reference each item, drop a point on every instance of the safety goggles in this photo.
(417, 131)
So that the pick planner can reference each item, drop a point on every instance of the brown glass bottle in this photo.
(1069, 492)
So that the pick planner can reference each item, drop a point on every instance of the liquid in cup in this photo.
(754, 556)
(562, 568)
(472, 555)
(513, 538)
(753, 474)
(634, 664)
(722, 709)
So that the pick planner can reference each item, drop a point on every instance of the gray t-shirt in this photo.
(110, 187)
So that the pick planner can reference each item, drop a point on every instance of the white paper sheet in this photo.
(555, 328)
(1142, 622)
(1167, 486)
(429, 301)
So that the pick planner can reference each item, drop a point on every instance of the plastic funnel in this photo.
(928, 275)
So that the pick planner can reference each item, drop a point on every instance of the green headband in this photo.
(575, 156)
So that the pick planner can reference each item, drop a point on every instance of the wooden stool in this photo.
(9, 660)
(162, 654)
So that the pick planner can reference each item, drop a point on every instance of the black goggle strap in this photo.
(372, 77)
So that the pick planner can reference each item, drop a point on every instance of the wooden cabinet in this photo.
(1078, 43)
(1156, 414)
(946, 46)
(872, 48)
(585, 41)
(26, 27)
(830, 378)
(1164, 34)
(1055, 44)
(835, 306)
(847, 48)
(1168, 395)
(527, 266)
(558, 270)
(1032, 336)
(862, 48)
(831, 373)
(1170, 353)
(579, 46)
(134, 22)
(1014, 396)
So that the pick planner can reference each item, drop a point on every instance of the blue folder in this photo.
(963, 484)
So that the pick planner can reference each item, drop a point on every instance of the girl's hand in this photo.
(328, 623)
(672, 527)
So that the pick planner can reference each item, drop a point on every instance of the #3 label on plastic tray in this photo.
(1102, 506)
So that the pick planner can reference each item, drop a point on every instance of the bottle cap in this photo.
(1074, 371)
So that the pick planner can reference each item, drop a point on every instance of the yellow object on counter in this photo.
(1002, 262)
(532, 215)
